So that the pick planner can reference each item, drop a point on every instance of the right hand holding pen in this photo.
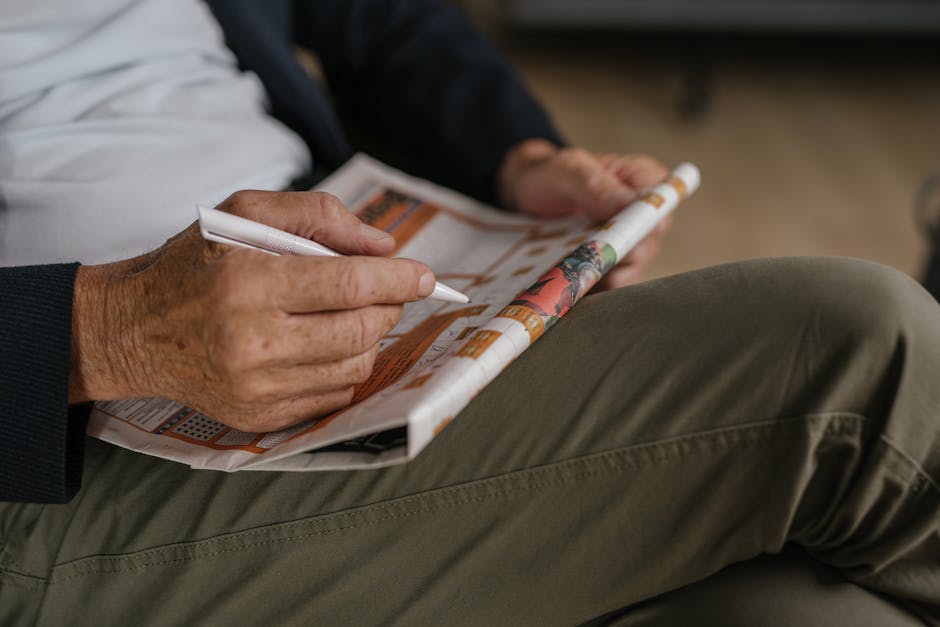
(257, 341)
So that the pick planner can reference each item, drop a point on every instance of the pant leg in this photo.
(654, 436)
(786, 590)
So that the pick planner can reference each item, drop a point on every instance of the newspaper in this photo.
(521, 274)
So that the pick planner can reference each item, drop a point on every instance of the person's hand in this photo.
(540, 179)
(257, 341)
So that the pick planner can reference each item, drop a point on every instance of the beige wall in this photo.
(806, 150)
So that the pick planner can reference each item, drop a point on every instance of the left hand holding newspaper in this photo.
(541, 179)
(434, 360)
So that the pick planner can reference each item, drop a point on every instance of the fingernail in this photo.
(619, 199)
(373, 233)
(426, 284)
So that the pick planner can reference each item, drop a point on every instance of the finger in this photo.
(632, 268)
(313, 379)
(317, 406)
(649, 247)
(329, 336)
(662, 227)
(637, 171)
(318, 216)
(621, 276)
(311, 284)
(598, 192)
(276, 384)
(642, 254)
(331, 223)
(288, 412)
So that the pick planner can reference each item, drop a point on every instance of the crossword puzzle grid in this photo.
(199, 427)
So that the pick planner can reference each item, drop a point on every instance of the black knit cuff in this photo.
(41, 441)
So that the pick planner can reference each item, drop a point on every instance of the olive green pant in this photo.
(655, 436)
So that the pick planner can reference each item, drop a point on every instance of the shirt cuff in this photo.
(41, 438)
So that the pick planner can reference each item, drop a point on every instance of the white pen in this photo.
(225, 228)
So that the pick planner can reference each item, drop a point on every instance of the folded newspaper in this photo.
(521, 274)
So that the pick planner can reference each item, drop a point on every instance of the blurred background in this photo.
(816, 123)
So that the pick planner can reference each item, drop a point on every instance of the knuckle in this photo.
(363, 367)
(237, 361)
(278, 414)
(343, 398)
(351, 334)
(332, 402)
(355, 283)
(332, 208)
(363, 328)
(231, 277)
(242, 352)
(362, 334)
(245, 390)
(242, 201)
(376, 322)
(260, 390)
(257, 421)
(393, 317)
(236, 418)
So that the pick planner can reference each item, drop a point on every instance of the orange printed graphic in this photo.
(418, 381)
(679, 185)
(527, 317)
(401, 216)
(654, 199)
(538, 234)
(479, 342)
(180, 423)
(483, 280)
(537, 250)
(525, 270)
(465, 333)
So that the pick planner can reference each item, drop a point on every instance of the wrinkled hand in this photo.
(257, 341)
(540, 179)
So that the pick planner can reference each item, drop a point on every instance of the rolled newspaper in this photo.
(497, 343)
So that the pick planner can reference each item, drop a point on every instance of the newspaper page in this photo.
(521, 274)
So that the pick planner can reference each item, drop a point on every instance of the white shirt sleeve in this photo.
(116, 118)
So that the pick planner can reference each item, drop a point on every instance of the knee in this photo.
(824, 303)
(861, 300)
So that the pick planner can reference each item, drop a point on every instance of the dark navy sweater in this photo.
(41, 441)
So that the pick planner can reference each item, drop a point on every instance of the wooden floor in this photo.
(807, 147)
